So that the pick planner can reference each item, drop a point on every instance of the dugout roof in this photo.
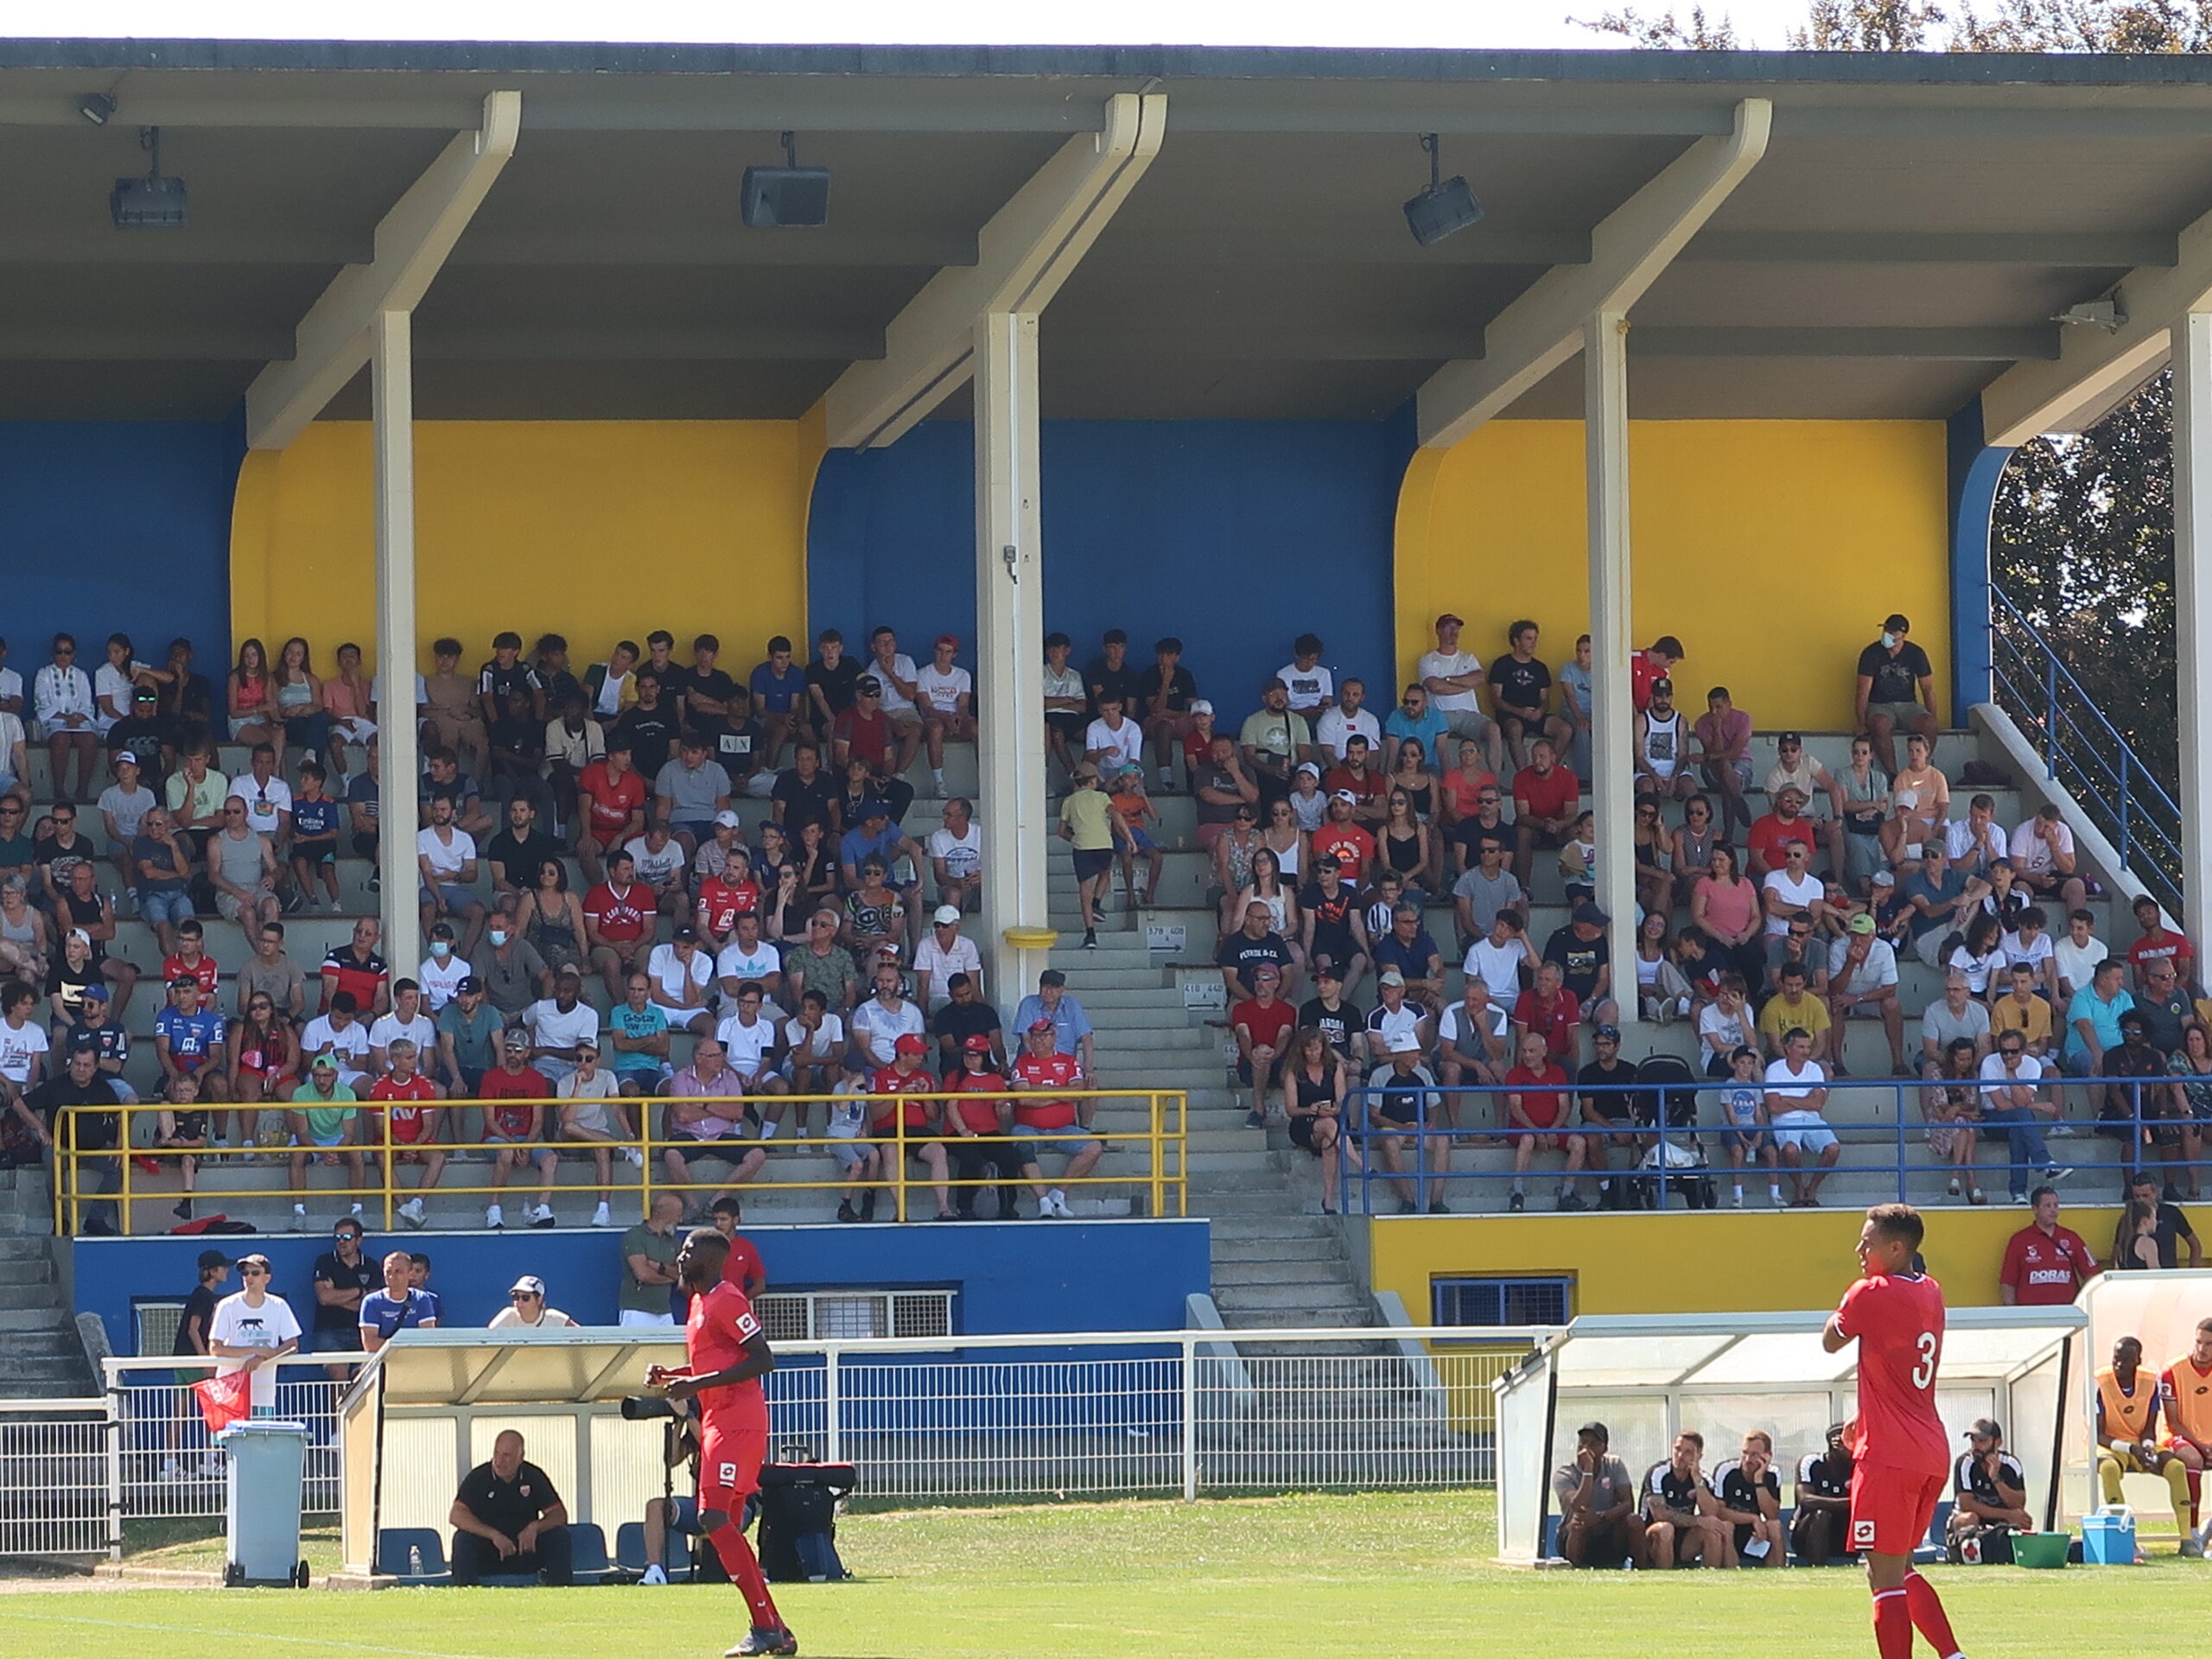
(1917, 225)
(573, 1365)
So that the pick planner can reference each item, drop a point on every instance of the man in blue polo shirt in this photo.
(398, 1306)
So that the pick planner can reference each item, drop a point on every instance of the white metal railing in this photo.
(1050, 1415)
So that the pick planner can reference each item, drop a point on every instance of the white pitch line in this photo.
(265, 1635)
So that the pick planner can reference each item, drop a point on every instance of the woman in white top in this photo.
(1980, 955)
(61, 697)
(114, 683)
(526, 1308)
(1725, 1025)
(1266, 887)
(1286, 840)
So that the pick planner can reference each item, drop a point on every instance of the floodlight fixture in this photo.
(1446, 206)
(789, 197)
(153, 203)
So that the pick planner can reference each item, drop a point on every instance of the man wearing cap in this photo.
(1262, 1023)
(516, 1124)
(1393, 1016)
(899, 1111)
(1599, 1525)
(1820, 793)
(1895, 688)
(326, 1127)
(526, 1309)
(945, 952)
(1990, 1486)
(1863, 982)
(1273, 740)
(1453, 681)
(1403, 1102)
(1660, 748)
(252, 1330)
(974, 1121)
(1585, 960)
(194, 1330)
(1343, 838)
(1042, 1069)
(468, 1039)
(1072, 1028)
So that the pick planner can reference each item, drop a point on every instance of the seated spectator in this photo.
(1604, 1110)
(1663, 992)
(446, 781)
(973, 1123)
(1584, 956)
(2165, 1008)
(2131, 1108)
(707, 1118)
(183, 1128)
(879, 1023)
(1041, 1069)
(689, 791)
(661, 866)
(1895, 688)
(1502, 960)
(879, 837)
(822, 963)
(1681, 1516)
(1660, 748)
(1262, 1023)
(1349, 717)
(1343, 839)
(1394, 1016)
(2128, 1442)
(410, 1124)
(1920, 803)
(1863, 983)
(188, 1041)
(593, 1116)
(1536, 1118)
(901, 1117)
(1487, 886)
(1546, 804)
(2157, 943)
(1726, 1024)
(1723, 732)
(526, 1308)
(1415, 721)
(1474, 1048)
(1474, 807)
(956, 855)
(398, 1307)
(2013, 1098)
(1252, 945)
(242, 869)
(1793, 1006)
(619, 923)
(326, 1127)
(1132, 811)
(1943, 901)
(2043, 858)
(748, 1037)
(1599, 1526)
(1333, 1015)
(1275, 740)
(1743, 1111)
(1750, 1494)
(679, 980)
(1578, 861)
(1314, 1085)
(1334, 930)
(1408, 950)
(2093, 1020)
(611, 800)
(637, 1039)
(1821, 1530)
(1989, 1485)
(508, 1519)
(1550, 1011)
(516, 1124)
(747, 956)
(1453, 681)
(1403, 1105)
(1796, 1092)
(364, 808)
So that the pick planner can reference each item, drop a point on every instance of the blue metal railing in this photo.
(2084, 752)
(1397, 1156)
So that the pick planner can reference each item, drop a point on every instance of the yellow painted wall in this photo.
(598, 530)
(1709, 1262)
(1723, 513)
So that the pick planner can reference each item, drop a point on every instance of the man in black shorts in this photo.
(1682, 1517)
(1332, 925)
(1821, 1530)
(1608, 1112)
(1404, 1100)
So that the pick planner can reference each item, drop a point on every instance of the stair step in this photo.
(21, 1296)
(19, 1321)
(1303, 1270)
(1243, 1253)
(1293, 1318)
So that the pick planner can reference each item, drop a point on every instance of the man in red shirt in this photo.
(411, 1122)
(1552, 1011)
(1647, 667)
(975, 1123)
(1546, 801)
(924, 1119)
(1262, 1022)
(614, 797)
(2045, 1264)
(745, 1268)
(1356, 778)
(1899, 1454)
(2158, 941)
(1340, 838)
(619, 915)
(1040, 1068)
(1771, 834)
(514, 1128)
(1535, 1110)
(356, 967)
(192, 962)
(727, 1354)
(726, 895)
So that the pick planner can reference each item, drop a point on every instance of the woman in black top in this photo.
(816, 861)
(1408, 846)
(1313, 1086)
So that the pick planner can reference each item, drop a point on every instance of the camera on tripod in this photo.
(641, 1408)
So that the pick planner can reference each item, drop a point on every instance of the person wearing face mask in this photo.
(442, 969)
(1897, 687)
(513, 973)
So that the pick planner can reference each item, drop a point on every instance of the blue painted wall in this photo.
(1237, 536)
(1011, 1276)
(1976, 469)
(117, 525)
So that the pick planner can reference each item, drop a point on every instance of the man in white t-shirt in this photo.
(338, 1033)
(408, 1020)
(447, 855)
(526, 1308)
(1499, 957)
(947, 704)
(2077, 954)
(1863, 980)
(251, 1331)
(1311, 686)
(749, 957)
(1793, 890)
(1349, 717)
(1797, 1091)
(945, 952)
(2013, 1099)
(1453, 679)
(2043, 859)
(956, 852)
(1113, 740)
(879, 1023)
(747, 1034)
(559, 1024)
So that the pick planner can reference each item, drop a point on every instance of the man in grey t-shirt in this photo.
(1597, 1504)
(1957, 1013)
(1488, 886)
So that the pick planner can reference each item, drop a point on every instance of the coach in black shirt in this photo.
(508, 1520)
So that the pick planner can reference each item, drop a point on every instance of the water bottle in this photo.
(413, 1560)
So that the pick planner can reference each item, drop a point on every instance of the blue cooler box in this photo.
(2108, 1537)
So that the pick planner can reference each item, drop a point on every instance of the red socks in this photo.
(1929, 1616)
(1892, 1625)
(744, 1569)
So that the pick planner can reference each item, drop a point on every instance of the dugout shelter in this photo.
(1648, 1377)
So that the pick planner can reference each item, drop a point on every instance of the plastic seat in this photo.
(586, 1548)
(393, 1545)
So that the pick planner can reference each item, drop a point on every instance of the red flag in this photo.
(224, 1400)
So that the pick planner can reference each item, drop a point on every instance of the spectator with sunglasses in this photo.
(526, 1309)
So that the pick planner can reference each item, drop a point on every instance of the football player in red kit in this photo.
(1899, 1454)
(729, 1355)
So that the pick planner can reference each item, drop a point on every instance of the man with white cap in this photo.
(526, 1308)
(1399, 1110)
(945, 952)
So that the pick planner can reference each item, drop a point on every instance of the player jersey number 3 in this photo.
(1924, 1372)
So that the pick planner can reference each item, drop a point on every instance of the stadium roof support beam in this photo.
(1024, 254)
(337, 336)
(2098, 369)
(2192, 359)
(1538, 332)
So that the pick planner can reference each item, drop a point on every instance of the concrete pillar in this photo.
(2192, 367)
(392, 406)
(1605, 415)
(1009, 653)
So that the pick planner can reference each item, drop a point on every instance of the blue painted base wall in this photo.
(108, 526)
(1237, 536)
(1011, 1276)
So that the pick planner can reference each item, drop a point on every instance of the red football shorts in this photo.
(1892, 1508)
(729, 1467)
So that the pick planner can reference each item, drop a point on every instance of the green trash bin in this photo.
(264, 1459)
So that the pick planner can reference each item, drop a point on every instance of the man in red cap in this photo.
(1040, 1117)
(976, 1123)
(947, 700)
(924, 1119)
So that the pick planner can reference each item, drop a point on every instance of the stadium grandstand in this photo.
(1121, 677)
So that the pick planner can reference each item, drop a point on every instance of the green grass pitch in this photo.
(1394, 1574)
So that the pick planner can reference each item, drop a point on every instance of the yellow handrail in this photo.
(1166, 1149)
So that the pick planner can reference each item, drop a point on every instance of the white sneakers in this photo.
(299, 1217)
(1054, 1204)
(636, 1158)
(494, 1217)
(543, 1215)
(654, 1575)
(600, 1217)
(411, 1212)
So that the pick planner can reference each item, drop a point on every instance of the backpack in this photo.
(1988, 1544)
(798, 1521)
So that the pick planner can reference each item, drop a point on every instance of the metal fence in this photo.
(1087, 1415)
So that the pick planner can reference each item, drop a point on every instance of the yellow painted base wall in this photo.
(1772, 548)
(1721, 1261)
(599, 531)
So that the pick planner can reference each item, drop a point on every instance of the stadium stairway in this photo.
(40, 1355)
